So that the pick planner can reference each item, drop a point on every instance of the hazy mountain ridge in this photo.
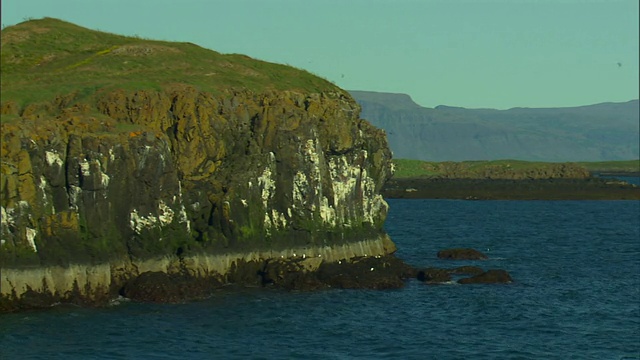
(600, 132)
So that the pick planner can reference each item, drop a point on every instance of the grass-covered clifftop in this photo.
(44, 58)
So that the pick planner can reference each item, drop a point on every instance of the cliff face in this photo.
(181, 180)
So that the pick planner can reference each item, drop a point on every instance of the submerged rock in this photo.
(461, 254)
(434, 276)
(489, 277)
(438, 276)
(466, 270)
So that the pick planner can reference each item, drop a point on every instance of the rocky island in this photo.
(511, 180)
(129, 164)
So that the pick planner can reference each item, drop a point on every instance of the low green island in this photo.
(514, 179)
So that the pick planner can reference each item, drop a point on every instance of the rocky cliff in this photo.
(98, 190)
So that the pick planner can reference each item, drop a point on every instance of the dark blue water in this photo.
(576, 295)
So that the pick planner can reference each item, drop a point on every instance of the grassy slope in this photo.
(612, 166)
(48, 57)
(407, 168)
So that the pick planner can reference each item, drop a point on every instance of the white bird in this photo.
(371, 269)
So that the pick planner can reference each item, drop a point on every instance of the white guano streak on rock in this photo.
(139, 222)
(183, 218)
(104, 180)
(6, 219)
(165, 217)
(52, 157)
(327, 212)
(84, 168)
(268, 187)
(74, 193)
(165, 213)
(312, 152)
(300, 186)
(45, 199)
(344, 176)
(31, 237)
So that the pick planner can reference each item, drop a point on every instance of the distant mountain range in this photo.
(601, 132)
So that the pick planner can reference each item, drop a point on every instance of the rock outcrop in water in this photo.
(185, 183)
(246, 176)
(476, 275)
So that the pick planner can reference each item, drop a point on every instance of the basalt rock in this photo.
(434, 276)
(466, 270)
(153, 178)
(488, 277)
(161, 287)
(438, 276)
(461, 254)
(132, 156)
(370, 272)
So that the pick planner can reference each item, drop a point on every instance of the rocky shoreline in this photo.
(497, 189)
(300, 273)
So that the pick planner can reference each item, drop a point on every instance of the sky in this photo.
(469, 53)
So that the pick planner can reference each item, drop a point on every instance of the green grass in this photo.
(613, 166)
(407, 168)
(44, 58)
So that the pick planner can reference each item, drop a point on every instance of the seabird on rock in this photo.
(371, 269)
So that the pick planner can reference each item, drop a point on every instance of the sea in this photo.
(575, 295)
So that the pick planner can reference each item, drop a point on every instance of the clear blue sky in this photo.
(473, 53)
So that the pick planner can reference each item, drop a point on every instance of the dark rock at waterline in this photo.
(372, 272)
(161, 287)
(466, 270)
(461, 254)
(494, 189)
(439, 276)
(291, 274)
(434, 275)
(488, 277)
(384, 272)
